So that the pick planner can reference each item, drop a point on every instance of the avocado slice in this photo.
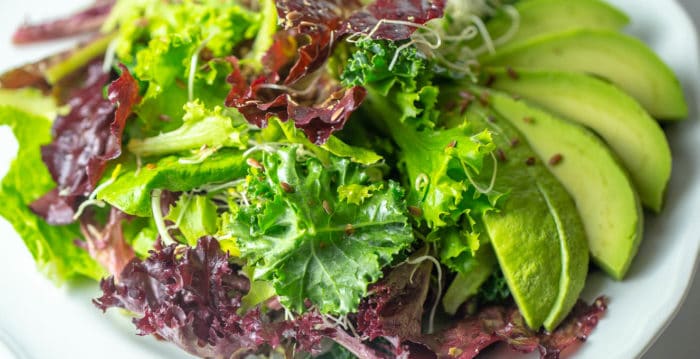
(610, 208)
(625, 61)
(537, 17)
(637, 140)
(537, 236)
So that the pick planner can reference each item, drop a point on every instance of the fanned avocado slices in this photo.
(605, 198)
(537, 17)
(635, 137)
(623, 60)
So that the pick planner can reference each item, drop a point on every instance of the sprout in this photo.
(419, 260)
(466, 16)
(158, 217)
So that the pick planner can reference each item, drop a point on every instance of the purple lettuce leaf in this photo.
(123, 93)
(395, 307)
(469, 337)
(84, 141)
(319, 113)
(192, 296)
(85, 21)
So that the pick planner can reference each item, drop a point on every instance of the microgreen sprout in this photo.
(417, 261)
(92, 199)
(158, 217)
(193, 67)
(110, 55)
(492, 183)
(432, 38)
(199, 155)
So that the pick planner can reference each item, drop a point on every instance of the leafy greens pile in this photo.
(309, 178)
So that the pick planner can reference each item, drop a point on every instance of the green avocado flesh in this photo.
(604, 195)
(537, 17)
(637, 140)
(537, 236)
(625, 61)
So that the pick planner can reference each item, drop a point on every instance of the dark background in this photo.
(681, 339)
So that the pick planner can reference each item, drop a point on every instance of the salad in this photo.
(340, 178)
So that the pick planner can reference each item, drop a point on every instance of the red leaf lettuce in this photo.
(192, 296)
(84, 141)
(294, 85)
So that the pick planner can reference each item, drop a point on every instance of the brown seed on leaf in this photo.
(485, 99)
(556, 159)
(415, 211)
(327, 207)
(349, 229)
(512, 74)
(252, 162)
(287, 187)
(501, 155)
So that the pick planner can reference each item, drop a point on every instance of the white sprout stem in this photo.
(224, 237)
(339, 322)
(288, 316)
(94, 232)
(86, 204)
(193, 68)
(290, 90)
(158, 218)
(484, 33)
(110, 55)
(422, 180)
(193, 71)
(468, 33)
(419, 260)
(311, 87)
(514, 26)
(382, 22)
(200, 157)
(358, 36)
(355, 37)
(244, 198)
(493, 177)
(139, 164)
(466, 68)
(265, 147)
(352, 327)
(398, 53)
(91, 200)
(219, 187)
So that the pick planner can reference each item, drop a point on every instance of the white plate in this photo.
(38, 320)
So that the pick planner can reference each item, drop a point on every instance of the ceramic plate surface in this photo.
(38, 320)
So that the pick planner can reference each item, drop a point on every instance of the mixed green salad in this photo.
(341, 178)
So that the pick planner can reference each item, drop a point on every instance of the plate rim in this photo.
(680, 294)
(690, 263)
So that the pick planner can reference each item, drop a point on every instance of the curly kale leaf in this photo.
(312, 245)
(397, 74)
(439, 165)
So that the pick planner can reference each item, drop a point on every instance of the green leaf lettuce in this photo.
(52, 247)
